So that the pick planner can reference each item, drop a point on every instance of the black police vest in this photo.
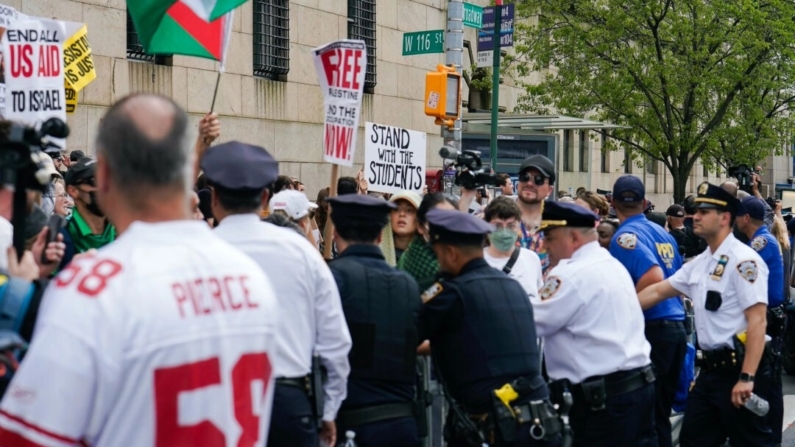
(382, 310)
(496, 337)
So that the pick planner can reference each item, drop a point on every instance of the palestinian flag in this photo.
(188, 27)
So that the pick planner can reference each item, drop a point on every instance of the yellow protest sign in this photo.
(71, 98)
(78, 63)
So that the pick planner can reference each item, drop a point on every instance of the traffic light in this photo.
(443, 95)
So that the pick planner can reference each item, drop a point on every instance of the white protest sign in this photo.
(33, 69)
(394, 158)
(341, 66)
(8, 15)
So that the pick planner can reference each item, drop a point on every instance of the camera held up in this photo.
(470, 172)
(744, 176)
(21, 166)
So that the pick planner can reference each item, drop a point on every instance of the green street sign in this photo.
(473, 16)
(423, 42)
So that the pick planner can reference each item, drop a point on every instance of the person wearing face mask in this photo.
(502, 253)
(296, 206)
(88, 228)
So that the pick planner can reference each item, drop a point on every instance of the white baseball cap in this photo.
(293, 202)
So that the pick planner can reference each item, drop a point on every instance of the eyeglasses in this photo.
(62, 196)
(538, 179)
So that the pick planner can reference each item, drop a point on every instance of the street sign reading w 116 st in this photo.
(423, 42)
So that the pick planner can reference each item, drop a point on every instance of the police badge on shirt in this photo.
(628, 241)
(550, 288)
(758, 243)
(748, 270)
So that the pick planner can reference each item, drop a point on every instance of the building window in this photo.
(584, 146)
(361, 26)
(706, 171)
(272, 39)
(651, 166)
(603, 163)
(627, 161)
(135, 50)
(567, 134)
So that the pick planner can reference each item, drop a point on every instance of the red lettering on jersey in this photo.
(170, 382)
(235, 306)
(213, 295)
(92, 283)
(179, 295)
(215, 290)
(246, 294)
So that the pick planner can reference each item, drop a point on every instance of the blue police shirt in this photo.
(640, 245)
(767, 246)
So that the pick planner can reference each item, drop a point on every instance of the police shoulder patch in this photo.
(627, 240)
(758, 243)
(748, 270)
(550, 287)
(432, 292)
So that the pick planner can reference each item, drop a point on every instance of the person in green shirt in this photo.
(88, 228)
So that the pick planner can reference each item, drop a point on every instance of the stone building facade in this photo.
(285, 114)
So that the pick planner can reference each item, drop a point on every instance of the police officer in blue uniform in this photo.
(382, 306)
(650, 254)
(751, 222)
(728, 286)
(483, 339)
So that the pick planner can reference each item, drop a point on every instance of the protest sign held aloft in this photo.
(341, 67)
(394, 158)
(33, 68)
(77, 60)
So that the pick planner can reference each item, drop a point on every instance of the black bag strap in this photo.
(512, 261)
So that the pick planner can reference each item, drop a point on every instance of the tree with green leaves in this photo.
(690, 80)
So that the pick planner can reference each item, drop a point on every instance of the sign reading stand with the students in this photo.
(394, 158)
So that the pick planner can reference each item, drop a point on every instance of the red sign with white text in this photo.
(341, 67)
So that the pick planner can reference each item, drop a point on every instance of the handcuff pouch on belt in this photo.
(541, 414)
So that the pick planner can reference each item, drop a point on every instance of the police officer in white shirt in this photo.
(592, 325)
(728, 286)
(312, 318)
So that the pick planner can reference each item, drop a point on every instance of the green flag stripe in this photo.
(223, 6)
(147, 15)
(171, 38)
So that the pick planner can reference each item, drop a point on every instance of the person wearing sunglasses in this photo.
(88, 228)
(536, 180)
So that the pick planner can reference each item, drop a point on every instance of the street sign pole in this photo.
(495, 92)
(454, 55)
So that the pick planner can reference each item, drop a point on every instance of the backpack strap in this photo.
(512, 261)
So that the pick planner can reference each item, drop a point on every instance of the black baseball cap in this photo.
(82, 170)
(675, 210)
(76, 155)
(542, 163)
(629, 189)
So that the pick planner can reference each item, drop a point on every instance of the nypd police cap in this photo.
(357, 209)
(238, 166)
(711, 196)
(457, 228)
(563, 214)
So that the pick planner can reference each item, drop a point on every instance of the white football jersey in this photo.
(163, 338)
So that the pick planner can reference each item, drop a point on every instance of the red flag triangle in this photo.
(209, 35)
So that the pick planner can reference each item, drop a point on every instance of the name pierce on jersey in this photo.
(205, 296)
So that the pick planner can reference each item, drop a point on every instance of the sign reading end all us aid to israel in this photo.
(394, 158)
(341, 67)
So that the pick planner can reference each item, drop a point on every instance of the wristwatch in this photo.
(745, 377)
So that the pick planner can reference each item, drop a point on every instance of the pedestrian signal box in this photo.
(443, 95)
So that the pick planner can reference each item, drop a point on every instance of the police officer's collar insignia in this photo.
(748, 270)
(432, 292)
(627, 240)
(551, 286)
(758, 243)
(720, 268)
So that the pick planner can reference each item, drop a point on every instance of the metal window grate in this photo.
(135, 50)
(361, 26)
(271, 38)
(584, 147)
